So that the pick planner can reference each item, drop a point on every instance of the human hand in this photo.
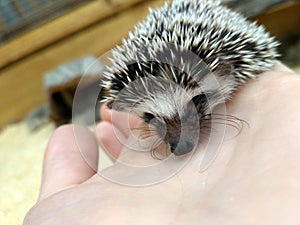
(254, 178)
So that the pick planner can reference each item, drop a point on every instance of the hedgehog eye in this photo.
(199, 99)
(148, 117)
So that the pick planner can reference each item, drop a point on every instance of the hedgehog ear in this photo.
(119, 105)
(101, 98)
(109, 104)
(225, 76)
(199, 100)
(223, 69)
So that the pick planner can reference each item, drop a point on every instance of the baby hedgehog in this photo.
(182, 60)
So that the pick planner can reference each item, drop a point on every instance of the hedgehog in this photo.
(184, 59)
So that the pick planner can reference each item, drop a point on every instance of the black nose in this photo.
(181, 147)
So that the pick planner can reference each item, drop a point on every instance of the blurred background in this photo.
(45, 48)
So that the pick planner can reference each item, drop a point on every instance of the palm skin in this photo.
(254, 179)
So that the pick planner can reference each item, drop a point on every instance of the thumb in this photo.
(71, 158)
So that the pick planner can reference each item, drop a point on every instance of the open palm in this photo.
(254, 179)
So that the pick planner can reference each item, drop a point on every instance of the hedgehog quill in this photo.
(165, 71)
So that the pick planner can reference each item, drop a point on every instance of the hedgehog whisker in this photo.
(230, 117)
(126, 130)
(146, 129)
(228, 120)
(145, 136)
(140, 127)
(153, 148)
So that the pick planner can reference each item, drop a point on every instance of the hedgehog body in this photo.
(185, 55)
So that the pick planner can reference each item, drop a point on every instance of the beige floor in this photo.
(21, 157)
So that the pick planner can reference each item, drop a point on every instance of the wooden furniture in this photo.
(91, 29)
(94, 28)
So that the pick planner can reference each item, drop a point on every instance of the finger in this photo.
(110, 138)
(123, 121)
(71, 158)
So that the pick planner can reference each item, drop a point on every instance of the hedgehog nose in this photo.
(181, 147)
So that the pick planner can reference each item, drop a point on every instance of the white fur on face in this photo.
(167, 103)
(173, 99)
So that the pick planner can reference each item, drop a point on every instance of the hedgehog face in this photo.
(164, 105)
(177, 126)
(175, 112)
(175, 118)
(179, 133)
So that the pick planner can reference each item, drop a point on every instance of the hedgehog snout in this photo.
(181, 146)
(181, 135)
(178, 137)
